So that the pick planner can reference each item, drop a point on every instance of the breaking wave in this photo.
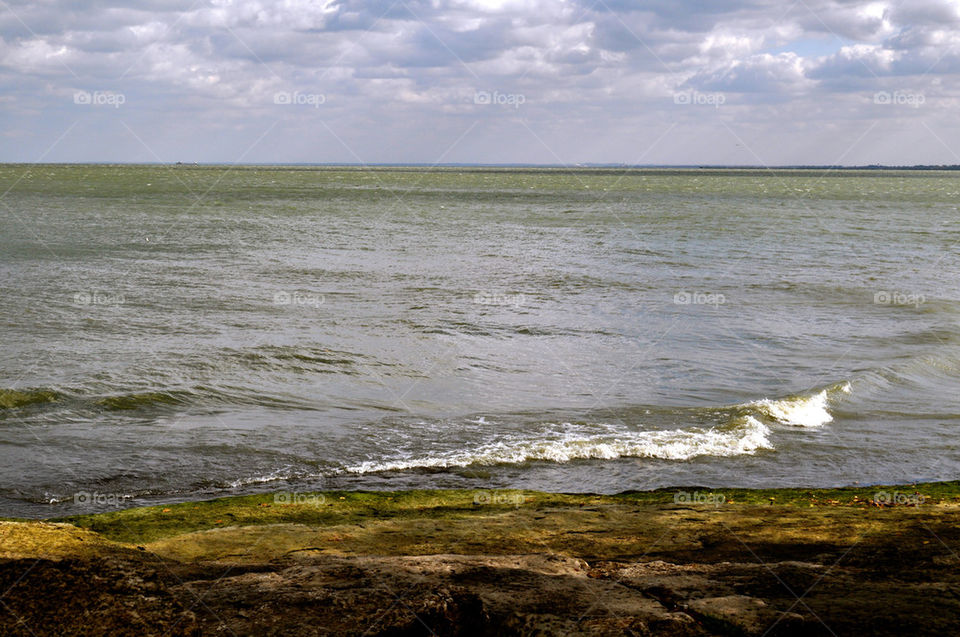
(745, 431)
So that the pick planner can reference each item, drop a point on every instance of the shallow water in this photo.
(172, 333)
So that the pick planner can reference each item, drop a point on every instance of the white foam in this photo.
(746, 437)
(273, 476)
(798, 411)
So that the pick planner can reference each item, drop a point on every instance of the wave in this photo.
(800, 410)
(14, 398)
(745, 431)
(86, 402)
(564, 443)
(279, 475)
(297, 359)
(123, 402)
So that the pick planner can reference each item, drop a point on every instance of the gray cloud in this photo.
(668, 81)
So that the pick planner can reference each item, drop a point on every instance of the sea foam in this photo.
(800, 411)
(746, 431)
(566, 442)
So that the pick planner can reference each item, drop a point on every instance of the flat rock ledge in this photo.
(766, 563)
(533, 594)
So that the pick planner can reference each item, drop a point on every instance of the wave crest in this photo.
(13, 398)
(800, 411)
(746, 435)
(746, 431)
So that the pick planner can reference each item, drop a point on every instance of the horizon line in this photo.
(582, 165)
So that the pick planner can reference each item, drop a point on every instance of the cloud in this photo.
(598, 80)
(774, 76)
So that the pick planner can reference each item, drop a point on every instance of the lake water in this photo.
(178, 332)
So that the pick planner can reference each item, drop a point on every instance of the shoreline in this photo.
(683, 561)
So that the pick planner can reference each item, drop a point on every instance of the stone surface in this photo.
(570, 566)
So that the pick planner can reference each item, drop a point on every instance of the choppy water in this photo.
(171, 333)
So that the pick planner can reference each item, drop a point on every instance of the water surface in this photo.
(171, 333)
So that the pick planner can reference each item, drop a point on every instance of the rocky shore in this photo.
(693, 561)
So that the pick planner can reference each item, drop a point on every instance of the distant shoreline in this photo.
(585, 166)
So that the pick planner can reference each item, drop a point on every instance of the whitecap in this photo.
(747, 435)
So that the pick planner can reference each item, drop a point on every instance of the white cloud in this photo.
(397, 77)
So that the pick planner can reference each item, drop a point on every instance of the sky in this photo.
(739, 82)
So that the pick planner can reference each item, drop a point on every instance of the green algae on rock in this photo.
(689, 561)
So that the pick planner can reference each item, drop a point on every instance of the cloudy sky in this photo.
(482, 81)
